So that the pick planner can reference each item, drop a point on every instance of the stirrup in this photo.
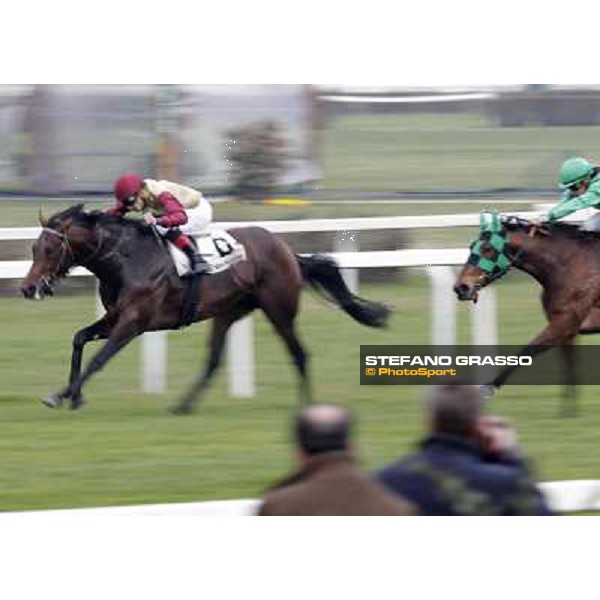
(199, 265)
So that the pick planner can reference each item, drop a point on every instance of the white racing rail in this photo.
(307, 225)
(437, 264)
(562, 497)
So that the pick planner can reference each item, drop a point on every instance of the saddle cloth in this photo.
(219, 249)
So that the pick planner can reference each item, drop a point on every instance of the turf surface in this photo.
(123, 447)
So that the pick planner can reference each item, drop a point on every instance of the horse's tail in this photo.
(323, 273)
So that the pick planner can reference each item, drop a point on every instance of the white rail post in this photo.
(154, 362)
(99, 306)
(443, 306)
(484, 328)
(347, 241)
(240, 359)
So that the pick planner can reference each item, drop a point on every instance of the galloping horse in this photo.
(141, 291)
(566, 263)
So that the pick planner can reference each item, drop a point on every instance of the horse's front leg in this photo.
(96, 331)
(561, 330)
(125, 330)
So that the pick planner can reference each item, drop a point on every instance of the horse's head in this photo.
(52, 254)
(488, 260)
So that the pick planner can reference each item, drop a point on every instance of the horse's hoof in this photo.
(180, 409)
(488, 390)
(52, 401)
(77, 403)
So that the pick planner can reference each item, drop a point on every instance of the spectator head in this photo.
(454, 409)
(322, 428)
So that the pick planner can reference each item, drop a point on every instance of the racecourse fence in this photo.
(437, 264)
(562, 496)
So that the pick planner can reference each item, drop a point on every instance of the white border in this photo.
(419, 44)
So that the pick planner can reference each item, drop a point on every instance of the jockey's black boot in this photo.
(197, 262)
(199, 265)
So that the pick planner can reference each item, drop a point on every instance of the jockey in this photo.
(581, 181)
(175, 209)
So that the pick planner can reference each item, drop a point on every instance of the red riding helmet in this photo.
(128, 185)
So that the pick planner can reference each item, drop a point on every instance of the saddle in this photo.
(220, 251)
(218, 248)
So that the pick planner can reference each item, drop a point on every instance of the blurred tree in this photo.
(258, 160)
(167, 124)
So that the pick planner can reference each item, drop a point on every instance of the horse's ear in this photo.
(486, 222)
(496, 225)
(42, 220)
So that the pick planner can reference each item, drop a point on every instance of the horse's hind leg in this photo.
(220, 326)
(569, 400)
(299, 356)
(96, 331)
(284, 325)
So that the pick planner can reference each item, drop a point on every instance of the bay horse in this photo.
(564, 260)
(141, 291)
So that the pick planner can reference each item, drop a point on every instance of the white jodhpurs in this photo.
(199, 219)
(592, 224)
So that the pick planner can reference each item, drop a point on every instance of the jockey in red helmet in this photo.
(177, 210)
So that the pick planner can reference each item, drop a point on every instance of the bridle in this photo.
(498, 272)
(67, 252)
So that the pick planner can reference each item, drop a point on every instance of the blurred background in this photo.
(347, 141)
(264, 152)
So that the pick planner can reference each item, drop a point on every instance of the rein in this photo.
(66, 248)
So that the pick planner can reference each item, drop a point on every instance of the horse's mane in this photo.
(91, 219)
(559, 229)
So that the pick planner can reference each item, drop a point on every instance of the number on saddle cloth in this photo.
(222, 246)
(219, 249)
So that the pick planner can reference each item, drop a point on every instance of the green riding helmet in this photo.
(574, 170)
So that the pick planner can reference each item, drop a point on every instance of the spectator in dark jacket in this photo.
(469, 464)
(328, 483)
